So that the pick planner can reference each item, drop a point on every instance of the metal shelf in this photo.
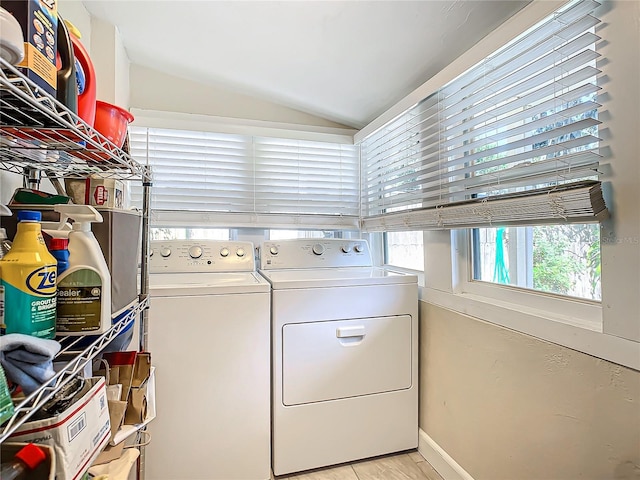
(27, 407)
(37, 131)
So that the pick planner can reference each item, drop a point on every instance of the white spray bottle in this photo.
(84, 289)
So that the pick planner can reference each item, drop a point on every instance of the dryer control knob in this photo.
(273, 250)
(240, 252)
(346, 248)
(358, 247)
(195, 251)
(165, 251)
(318, 249)
(224, 252)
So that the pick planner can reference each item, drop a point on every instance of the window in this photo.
(459, 281)
(404, 249)
(204, 179)
(289, 234)
(511, 141)
(562, 259)
(173, 233)
(275, 234)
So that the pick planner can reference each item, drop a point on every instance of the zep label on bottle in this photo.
(30, 299)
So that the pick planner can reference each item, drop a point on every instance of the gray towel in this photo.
(27, 360)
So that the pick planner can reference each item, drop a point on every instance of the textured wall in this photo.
(509, 406)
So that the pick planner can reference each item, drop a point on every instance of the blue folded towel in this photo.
(27, 360)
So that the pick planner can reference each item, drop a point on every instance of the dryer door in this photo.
(345, 358)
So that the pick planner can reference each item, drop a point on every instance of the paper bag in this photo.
(142, 369)
(117, 409)
(121, 366)
(109, 454)
(137, 403)
(127, 429)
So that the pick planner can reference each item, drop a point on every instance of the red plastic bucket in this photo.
(111, 121)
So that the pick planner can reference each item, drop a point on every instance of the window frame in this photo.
(549, 317)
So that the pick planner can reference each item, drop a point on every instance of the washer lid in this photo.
(198, 284)
(335, 277)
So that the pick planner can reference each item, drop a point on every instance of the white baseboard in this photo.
(433, 453)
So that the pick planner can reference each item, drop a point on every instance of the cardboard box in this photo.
(96, 191)
(77, 435)
(39, 22)
(45, 471)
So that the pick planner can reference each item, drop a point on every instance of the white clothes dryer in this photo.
(345, 354)
(209, 338)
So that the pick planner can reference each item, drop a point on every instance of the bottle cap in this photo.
(29, 216)
(59, 244)
(31, 455)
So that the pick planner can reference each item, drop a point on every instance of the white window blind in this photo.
(295, 176)
(239, 180)
(523, 120)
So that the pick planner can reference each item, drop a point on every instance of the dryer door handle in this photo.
(347, 332)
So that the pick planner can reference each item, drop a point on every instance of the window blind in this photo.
(524, 119)
(204, 178)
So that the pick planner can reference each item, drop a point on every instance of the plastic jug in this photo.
(28, 275)
(84, 289)
(87, 99)
(67, 90)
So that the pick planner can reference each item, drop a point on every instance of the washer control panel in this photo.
(315, 253)
(186, 256)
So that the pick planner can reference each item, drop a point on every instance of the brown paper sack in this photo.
(117, 410)
(121, 367)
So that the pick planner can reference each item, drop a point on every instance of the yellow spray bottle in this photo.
(28, 277)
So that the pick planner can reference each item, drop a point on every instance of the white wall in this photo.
(620, 31)
(507, 406)
(153, 90)
(75, 12)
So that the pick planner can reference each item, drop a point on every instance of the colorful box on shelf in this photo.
(77, 435)
(96, 191)
(39, 22)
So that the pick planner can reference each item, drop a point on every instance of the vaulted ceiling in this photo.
(345, 61)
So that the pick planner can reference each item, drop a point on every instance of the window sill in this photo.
(563, 330)
(418, 273)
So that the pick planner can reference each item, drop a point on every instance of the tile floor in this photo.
(401, 466)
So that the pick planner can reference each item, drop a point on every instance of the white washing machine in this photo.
(345, 354)
(209, 338)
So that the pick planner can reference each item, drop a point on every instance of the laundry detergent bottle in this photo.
(84, 289)
(28, 278)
